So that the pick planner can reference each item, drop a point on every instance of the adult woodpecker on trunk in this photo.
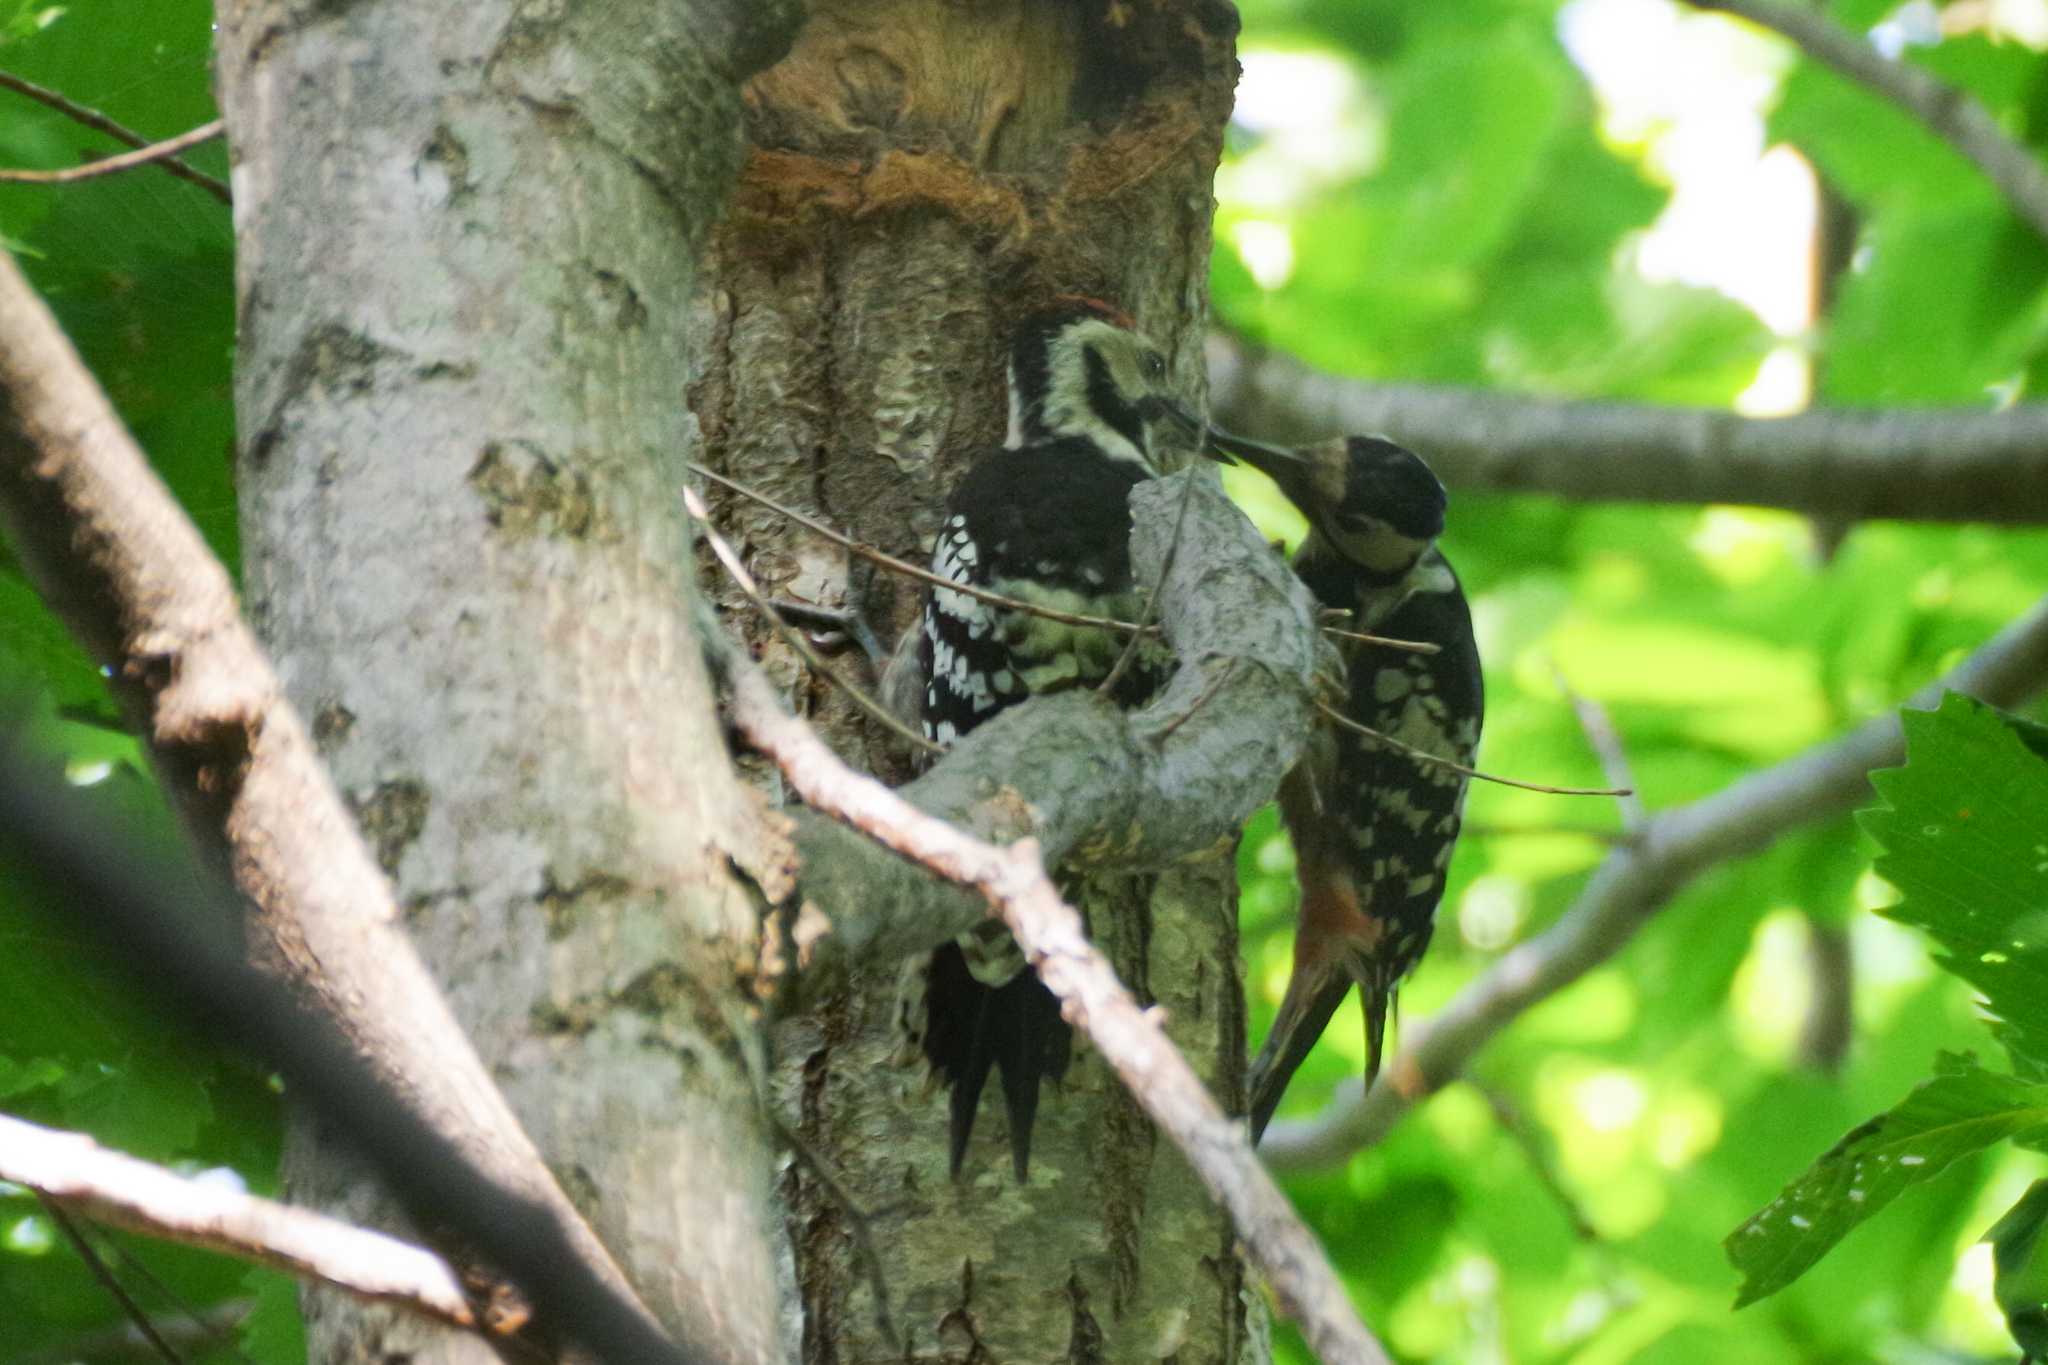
(1044, 520)
(1373, 827)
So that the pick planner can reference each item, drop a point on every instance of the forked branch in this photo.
(1013, 882)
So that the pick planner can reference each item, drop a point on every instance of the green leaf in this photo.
(1970, 279)
(2021, 1283)
(1870, 149)
(1963, 1110)
(1966, 844)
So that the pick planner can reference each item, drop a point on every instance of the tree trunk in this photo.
(466, 248)
(919, 175)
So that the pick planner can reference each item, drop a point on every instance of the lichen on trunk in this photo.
(466, 240)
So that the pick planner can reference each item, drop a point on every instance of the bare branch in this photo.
(1129, 653)
(114, 555)
(99, 1269)
(1605, 738)
(729, 560)
(1542, 1161)
(155, 154)
(203, 1329)
(1953, 115)
(94, 119)
(112, 1187)
(1424, 757)
(1639, 879)
(1488, 829)
(1957, 464)
(1015, 886)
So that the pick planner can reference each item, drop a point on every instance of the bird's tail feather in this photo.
(973, 1028)
(1312, 997)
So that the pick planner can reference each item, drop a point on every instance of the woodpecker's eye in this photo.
(1155, 365)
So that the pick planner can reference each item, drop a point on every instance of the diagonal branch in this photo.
(211, 1328)
(1953, 115)
(1639, 879)
(78, 1174)
(1958, 464)
(154, 153)
(114, 555)
(97, 1266)
(1014, 884)
(94, 119)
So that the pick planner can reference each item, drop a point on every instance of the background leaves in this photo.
(1676, 1090)
(1456, 202)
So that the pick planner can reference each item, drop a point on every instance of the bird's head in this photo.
(1082, 369)
(1371, 501)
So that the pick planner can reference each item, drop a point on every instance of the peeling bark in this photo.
(918, 175)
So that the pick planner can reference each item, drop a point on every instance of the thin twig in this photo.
(1413, 646)
(1215, 686)
(156, 152)
(1509, 830)
(905, 567)
(730, 560)
(94, 119)
(116, 1188)
(1951, 114)
(1342, 721)
(1151, 611)
(1605, 738)
(1537, 1152)
(204, 1329)
(1014, 883)
(1641, 877)
(210, 1337)
(908, 570)
(104, 1273)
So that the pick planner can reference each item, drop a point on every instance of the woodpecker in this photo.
(1373, 827)
(1044, 520)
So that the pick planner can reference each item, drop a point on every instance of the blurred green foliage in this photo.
(1464, 209)
(1444, 195)
(139, 270)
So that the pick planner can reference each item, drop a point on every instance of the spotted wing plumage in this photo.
(1047, 524)
(1374, 828)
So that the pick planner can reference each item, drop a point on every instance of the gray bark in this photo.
(920, 174)
(467, 240)
(1927, 464)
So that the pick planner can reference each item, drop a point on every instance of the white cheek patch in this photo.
(1068, 413)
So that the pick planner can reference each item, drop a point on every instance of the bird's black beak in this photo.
(1183, 430)
(1290, 469)
(1184, 423)
(1268, 460)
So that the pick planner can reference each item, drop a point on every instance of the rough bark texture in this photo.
(919, 175)
(466, 238)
